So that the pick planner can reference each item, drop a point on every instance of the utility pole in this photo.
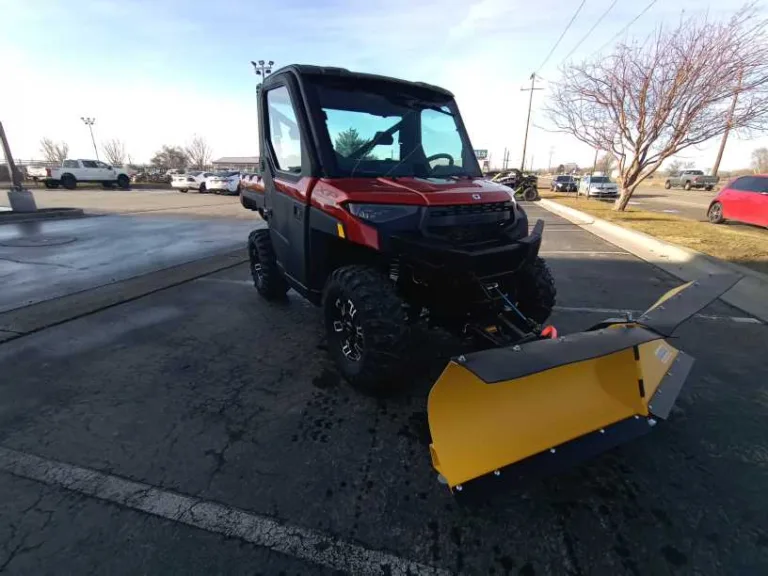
(21, 200)
(262, 68)
(716, 167)
(90, 122)
(531, 168)
(528, 121)
(551, 153)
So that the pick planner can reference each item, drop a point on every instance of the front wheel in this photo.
(667, 185)
(267, 277)
(530, 194)
(202, 188)
(535, 291)
(366, 326)
(715, 213)
(183, 190)
(709, 188)
(687, 186)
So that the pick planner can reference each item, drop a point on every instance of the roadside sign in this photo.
(481, 154)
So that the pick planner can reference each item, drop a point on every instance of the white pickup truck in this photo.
(73, 171)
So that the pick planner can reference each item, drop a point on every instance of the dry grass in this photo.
(737, 243)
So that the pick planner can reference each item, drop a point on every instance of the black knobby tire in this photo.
(68, 181)
(536, 292)
(715, 213)
(378, 347)
(530, 194)
(123, 181)
(667, 185)
(267, 277)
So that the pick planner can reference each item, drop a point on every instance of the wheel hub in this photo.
(346, 325)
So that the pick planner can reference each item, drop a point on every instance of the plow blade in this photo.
(545, 405)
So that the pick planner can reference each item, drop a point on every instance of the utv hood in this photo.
(421, 191)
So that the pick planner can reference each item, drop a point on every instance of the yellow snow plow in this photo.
(547, 404)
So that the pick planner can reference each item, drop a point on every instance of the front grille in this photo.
(466, 209)
(469, 223)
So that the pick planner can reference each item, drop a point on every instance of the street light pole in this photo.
(528, 121)
(262, 68)
(90, 122)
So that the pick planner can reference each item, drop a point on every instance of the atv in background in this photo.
(525, 186)
(377, 212)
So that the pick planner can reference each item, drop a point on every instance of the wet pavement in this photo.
(205, 391)
(48, 259)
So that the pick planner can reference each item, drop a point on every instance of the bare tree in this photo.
(605, 164)
(198, 153)
(114, 151)
(649, 100)
(54, 151)
(760, 160)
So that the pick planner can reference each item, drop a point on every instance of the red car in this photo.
(744, 199)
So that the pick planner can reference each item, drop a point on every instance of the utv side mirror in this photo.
(384, 139)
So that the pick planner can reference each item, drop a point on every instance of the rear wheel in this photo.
(68, 181)
(715, 213)
(535, 291)
(266, 275)
(667, 185)
(123, 181)
(367, 329)
(183, 190)
(202, 188)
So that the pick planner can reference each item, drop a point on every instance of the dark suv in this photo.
(563, 183)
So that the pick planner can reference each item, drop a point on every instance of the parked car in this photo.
(73, 171)
(599, 186)
(563, 183)
(194, 180)
(744, 199)
(691, 179)
(223, 182)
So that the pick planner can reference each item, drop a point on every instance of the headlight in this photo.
(380, 213)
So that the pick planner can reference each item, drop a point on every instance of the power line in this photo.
(595, 25)
(562, 35)
(620, 32)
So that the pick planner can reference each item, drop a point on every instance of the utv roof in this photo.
(307, 69)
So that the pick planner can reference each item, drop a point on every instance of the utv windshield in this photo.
(378, 129)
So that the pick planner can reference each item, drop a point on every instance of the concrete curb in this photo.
(35, 317)
(40, 214)
(750, 294)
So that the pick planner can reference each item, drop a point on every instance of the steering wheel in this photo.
(441, 155)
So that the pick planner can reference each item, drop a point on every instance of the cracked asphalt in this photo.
(205, 390)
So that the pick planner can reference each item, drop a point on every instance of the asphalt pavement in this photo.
(201, 430)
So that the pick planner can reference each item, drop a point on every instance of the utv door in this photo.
(286, 174)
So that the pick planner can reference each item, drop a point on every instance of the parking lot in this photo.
(201, 430)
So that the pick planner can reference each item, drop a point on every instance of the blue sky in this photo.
(157, 72)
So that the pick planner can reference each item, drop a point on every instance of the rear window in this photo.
(599, 179)
(564, 179)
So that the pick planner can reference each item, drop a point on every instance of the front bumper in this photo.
(486, 263)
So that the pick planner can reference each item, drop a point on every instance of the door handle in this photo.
(297, 212)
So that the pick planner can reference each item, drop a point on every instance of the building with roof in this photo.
(241, 163)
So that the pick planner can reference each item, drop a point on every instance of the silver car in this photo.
(598, 186)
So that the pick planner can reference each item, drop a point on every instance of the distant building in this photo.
(241, 163)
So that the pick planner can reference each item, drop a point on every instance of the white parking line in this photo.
(636, 313)
(581, 252)
(225, 281)
(309, 545)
